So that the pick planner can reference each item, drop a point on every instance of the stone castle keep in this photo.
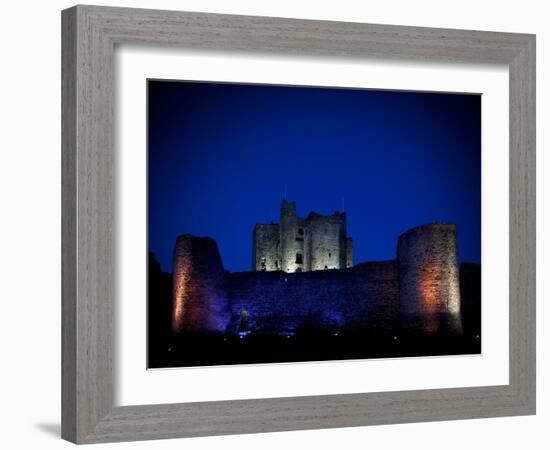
(302, 245)
(304, 277)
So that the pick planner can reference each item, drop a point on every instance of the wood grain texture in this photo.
(89, 36)
(68, 225)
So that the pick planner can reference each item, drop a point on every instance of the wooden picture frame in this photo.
(90, 34)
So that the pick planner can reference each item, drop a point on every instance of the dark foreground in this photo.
(166, 350)
(226, 350)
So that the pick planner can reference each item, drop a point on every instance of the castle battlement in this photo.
(418, 290)
(317, 242)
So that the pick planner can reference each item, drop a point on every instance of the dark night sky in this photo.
(221, 154)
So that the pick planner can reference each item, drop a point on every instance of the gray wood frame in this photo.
(89, 36)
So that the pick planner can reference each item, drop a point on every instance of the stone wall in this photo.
(349, 252)
(419, 291)
(364, 296)
(199, 296)
(291, 239)
(429, 279)
(326, 241)
(265, 242)
(301, 245)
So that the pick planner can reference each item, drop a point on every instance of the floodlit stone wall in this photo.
(326, 241)
(349, 252)
(292, 231)
(429, 292)
(199, 298)
(365, 296)
(300, 245)
(266, 247)
(419, 291)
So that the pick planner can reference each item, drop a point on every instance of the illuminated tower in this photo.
(429, 289)
(317, 242)
(199, 299)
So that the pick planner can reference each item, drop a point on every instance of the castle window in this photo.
(301, 231)
(299, 258)
(326, 267)
(298, 269)
(329, 254)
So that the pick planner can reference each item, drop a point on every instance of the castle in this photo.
(303, 276)
(302, 245)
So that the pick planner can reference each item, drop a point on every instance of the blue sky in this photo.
(220, 156)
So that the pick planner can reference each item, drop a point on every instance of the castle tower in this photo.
(326, 241)
(301, 245)
(349, 252)
(429, 290)
(292, 237)
(265, 245)
(199, 300)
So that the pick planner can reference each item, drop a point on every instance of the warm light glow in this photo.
(430, 296)
(178, 306)
(198, 302)
(183, 315)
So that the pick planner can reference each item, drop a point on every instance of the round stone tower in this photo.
(199, 300)
(429, 287)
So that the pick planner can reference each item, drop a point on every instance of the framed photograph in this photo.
(268, 222)
(303, 289)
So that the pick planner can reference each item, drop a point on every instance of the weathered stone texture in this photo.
(326, 241)
(429, 281)
(349, 252)
(302, 245)
(418, 292)
(199, 286)
(365, 296)
(291, 238)
(266, 247)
